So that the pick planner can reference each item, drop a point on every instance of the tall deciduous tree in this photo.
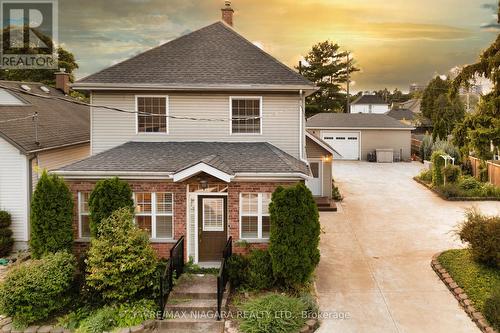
(327, 68)
(51, 216)
(481, 129)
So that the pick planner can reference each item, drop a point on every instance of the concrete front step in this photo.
(177, 325)
(194, 305)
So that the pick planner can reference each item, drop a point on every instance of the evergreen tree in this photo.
(327, 68)
(51, 216)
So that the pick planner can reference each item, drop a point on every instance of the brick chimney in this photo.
(62, 81)
(227, 13)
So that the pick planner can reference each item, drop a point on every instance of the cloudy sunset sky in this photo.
(395, 42)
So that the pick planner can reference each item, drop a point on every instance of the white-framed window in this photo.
(83, 215)
(152, 114)
(246, 115)
(154, 213)
(254, 215)
(213, 214)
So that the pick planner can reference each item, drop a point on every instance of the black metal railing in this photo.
(222, 278)
(175, 265)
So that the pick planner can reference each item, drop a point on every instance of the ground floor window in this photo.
(154, 212)
(254, 215)
(83, 214)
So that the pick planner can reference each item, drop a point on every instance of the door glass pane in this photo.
(213, 214)
(315, 169)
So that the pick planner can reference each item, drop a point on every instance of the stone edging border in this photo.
(454, 198)
(462, 298)
(6, 327)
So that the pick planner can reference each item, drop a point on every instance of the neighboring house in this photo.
(408, 117)
(61, 137)
(215, 126)
(353, 136)
(369, 103)
(413, 105)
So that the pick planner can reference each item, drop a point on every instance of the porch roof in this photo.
(173, 159)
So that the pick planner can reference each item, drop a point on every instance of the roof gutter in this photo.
(360, 128)
(60, 146)
(191, 87)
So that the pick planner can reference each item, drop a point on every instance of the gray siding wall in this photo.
(398, 140)
(280, 123)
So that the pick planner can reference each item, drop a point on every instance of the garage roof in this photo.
(355, 121)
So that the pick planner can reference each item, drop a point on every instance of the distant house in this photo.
(408, 117)
(368, 103)
(413, 105)
(58, 135)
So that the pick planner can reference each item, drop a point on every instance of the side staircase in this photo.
(325, 204)
(192, 306)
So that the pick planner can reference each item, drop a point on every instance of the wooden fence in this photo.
(415, 147)
(493, 170)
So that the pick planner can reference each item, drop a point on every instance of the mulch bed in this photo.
(442, 196)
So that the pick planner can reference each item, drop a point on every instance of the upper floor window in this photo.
(246, 115)
(152, 114)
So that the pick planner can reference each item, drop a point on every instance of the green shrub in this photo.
(108, 196)
(490, 190)
(425, 175)
(121, 263)
(6, 240)
(437, 168)
(336, 193)
(37, 288)
(482, 233)
(294, 236)
(483, 171)
(469, 183)
(448, 147)
(109, 317)
(451, 173)
(273, 314)
(492, 308)
(426, 147)
(310, 304)
(51, 216)
(238, 270)
(253, 271)
(5, 219)
(451, 190)
(260, 270)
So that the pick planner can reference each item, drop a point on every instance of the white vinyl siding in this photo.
(280, 120)
(14, 189)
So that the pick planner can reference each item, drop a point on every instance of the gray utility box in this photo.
(385, 155)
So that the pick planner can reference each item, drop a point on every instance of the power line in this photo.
(141, 113)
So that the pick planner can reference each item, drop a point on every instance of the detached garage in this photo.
(354, 136)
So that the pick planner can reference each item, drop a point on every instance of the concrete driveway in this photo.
(376, 252)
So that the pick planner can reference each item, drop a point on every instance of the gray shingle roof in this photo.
(354, 120)
(369, 99)
(60, 123)
(213, 55)
(401, 114)
(171, 157)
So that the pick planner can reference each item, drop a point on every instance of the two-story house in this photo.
(369, 103)
(204, 128)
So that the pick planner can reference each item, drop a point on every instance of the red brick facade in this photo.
(179, 191)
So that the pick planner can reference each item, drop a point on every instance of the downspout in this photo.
(30, 194)
(301, 125)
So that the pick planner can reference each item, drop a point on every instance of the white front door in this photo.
(315, 183)
(345, 143)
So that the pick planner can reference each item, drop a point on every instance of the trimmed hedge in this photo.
(253, 271)
(294, 239)
(108, 195)
(482, 233)
(6, 240)
(37, 288)
(121, 262)
(51, 216)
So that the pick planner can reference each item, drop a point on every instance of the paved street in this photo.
(376, 252)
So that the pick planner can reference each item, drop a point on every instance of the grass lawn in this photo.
(475, 279)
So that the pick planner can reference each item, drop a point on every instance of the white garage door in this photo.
(345, 143)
